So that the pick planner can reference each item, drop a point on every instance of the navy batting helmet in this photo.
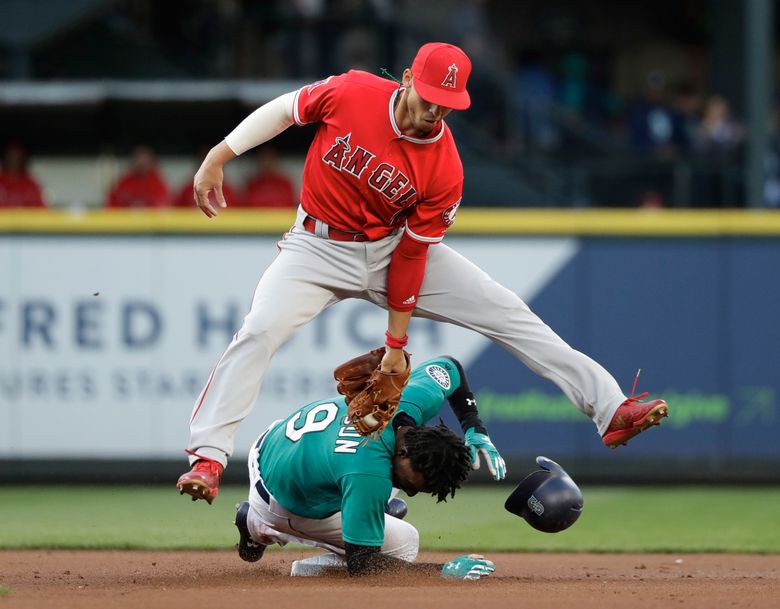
(548, 498)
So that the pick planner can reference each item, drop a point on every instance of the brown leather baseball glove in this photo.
(372, 395)
(352, 376)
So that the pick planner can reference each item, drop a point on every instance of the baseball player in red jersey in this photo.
(381, 185)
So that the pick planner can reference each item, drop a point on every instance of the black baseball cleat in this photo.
(396, 507)
(248, 550)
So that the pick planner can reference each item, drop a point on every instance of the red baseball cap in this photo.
(440, 73)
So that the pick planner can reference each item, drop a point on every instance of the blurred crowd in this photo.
(664, 121)
(569, 87)
(143, 184)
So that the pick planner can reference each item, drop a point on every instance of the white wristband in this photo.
(266, 122)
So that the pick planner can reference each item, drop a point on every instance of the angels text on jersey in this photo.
(392, 183)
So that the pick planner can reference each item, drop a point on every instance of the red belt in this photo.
(334, 234)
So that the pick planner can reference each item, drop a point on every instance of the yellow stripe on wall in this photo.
(664, 223)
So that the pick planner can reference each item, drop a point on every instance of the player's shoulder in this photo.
(447, 141)
(368, 81)
(443, 370)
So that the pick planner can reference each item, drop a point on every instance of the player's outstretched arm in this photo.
(367, 560)
(464, 405)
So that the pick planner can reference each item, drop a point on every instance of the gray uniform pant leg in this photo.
(304, 279)
(457, 291)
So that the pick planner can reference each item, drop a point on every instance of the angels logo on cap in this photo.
(440, 72)
(450, 79)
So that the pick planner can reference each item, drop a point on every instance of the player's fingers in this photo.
(472, 453)
(488, 461)
(501, 468)
(219, 195)
(498, 463)
(479, 570)
(474, 458)
(202, 199)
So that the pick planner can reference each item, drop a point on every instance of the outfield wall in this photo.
(110, 323)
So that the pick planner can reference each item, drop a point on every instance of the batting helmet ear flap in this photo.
(547, 499)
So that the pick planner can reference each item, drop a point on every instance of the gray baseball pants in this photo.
(311, 273)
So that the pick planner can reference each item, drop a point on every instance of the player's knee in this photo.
(255, 326)
(260, 333)
(402, 540)
(259, 530)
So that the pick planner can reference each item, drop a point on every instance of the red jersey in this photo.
(139, 190)
(362, 174)
(269, 190)
(19, 190)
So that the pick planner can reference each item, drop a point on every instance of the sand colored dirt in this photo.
(217, 580)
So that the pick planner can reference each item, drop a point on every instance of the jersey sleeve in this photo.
(314, 102)
(430, 384)
(364, 498)
(431, 218)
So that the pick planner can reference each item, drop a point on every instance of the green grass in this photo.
(614, 519)
(5, 591)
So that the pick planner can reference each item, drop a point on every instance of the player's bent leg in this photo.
(291, 292)
(457, 291)
(402, 540)
(248, 549)
(262, 532)
(272, 523)
(235, 382)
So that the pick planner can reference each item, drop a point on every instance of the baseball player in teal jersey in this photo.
(315, 480)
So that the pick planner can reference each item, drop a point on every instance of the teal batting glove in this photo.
(480, 443)
(468, 566)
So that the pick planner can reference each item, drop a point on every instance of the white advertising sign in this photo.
(105, 342)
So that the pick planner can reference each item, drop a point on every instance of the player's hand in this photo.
(468, 566)
(393, 361)
(208, 180)
(480, 443)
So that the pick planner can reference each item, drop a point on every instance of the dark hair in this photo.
(441, 456)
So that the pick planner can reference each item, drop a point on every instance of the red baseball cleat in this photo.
(633, 417)
(202, 481)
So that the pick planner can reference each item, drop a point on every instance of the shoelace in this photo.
(636, 398)
(206, 464)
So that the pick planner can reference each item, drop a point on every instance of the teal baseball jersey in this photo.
(315, 464)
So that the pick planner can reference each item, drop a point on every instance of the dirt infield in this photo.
(151, 580)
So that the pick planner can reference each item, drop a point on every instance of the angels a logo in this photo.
(335, 156)
(451, 79)
(448, 215)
